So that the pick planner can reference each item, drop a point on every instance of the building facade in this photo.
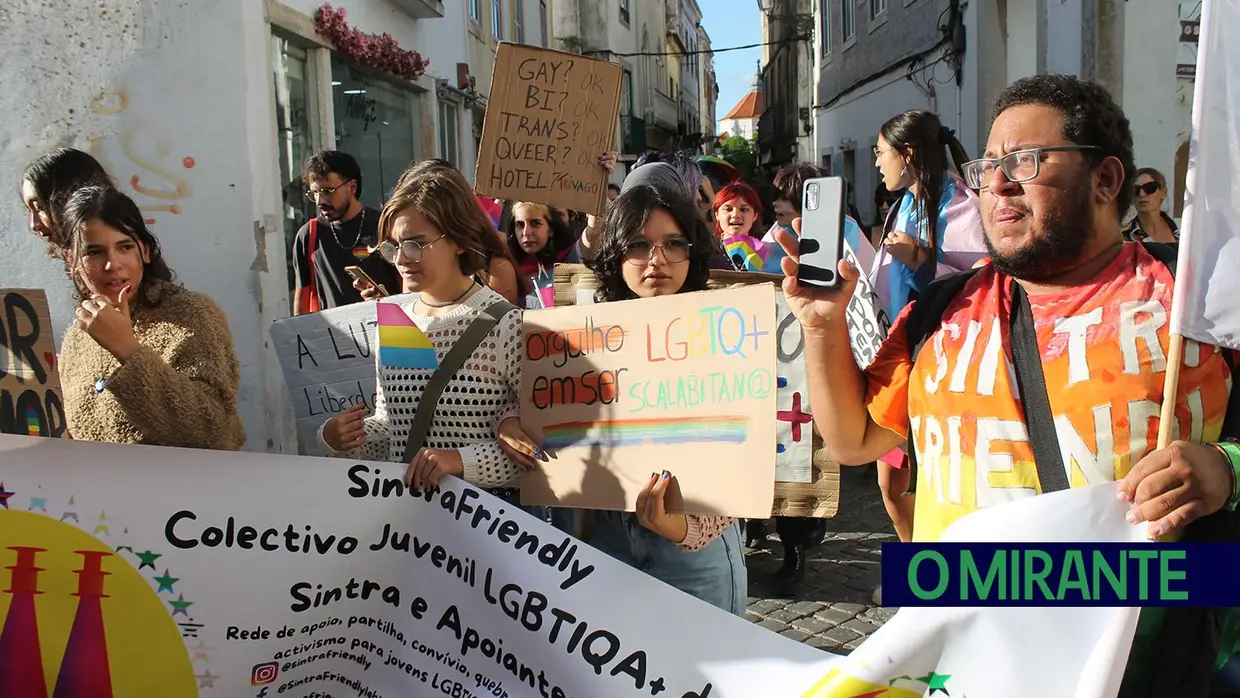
(690, 93)
(877, 58)
(463, 95)
(212, 150)
(661, 90)
(785, 130)
(709, 92)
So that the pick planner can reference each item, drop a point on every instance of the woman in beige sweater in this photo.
(146, 361)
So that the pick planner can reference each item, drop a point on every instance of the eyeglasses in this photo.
(325, 191)
(411, 249)
(1018, 165)
(675, 251)
(1147, 189)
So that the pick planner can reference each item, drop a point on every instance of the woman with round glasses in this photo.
(654, 243)
(1151, 221)
(433, 231)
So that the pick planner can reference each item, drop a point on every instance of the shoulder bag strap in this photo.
(311, 248)
(1031, 383)
(455, 359)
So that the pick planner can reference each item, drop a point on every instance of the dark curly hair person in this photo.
(1096, 126)
(623, 241)
(146, 361)
(654, 243)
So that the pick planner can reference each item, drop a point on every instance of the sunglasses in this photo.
(1145, 189)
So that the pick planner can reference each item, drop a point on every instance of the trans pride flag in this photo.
(401, 343)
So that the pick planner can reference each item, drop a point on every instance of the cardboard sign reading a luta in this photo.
(683, 383)
(807, 478)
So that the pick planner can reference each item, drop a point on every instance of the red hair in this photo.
(731, 192)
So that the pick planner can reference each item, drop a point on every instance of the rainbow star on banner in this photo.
(401, 343)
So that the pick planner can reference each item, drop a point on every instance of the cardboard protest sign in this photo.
(329, 577)
(329, 363)
(30, 399)
(550, 115)
(684, 383)
(818, 496)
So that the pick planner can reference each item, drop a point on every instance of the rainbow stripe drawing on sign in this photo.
(661, 431)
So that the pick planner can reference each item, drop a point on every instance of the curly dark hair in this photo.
(117, 211)
(1090, 117)
(323, 163)
(625, 220)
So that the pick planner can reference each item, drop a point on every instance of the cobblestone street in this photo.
(834, 610)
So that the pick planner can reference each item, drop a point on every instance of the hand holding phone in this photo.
(821, 244)
(357, 274)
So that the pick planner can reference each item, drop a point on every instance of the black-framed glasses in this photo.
(1018, 165)
(675, 251)
(1147, 189)
(411, 249)
(314, 195)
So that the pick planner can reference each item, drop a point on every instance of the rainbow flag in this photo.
(401, 343)
(637, 432)
(32, 422)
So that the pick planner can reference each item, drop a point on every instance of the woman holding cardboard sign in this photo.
(655, 244)
(146, 360)
(449, 361)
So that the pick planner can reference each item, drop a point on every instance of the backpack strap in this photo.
(461, 350)
(1168, 253)
(312, 246)
(1031, 383)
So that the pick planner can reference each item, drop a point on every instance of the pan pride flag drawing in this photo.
(401, 343)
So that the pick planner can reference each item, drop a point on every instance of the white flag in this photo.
(1208, 275)
(1015, 652)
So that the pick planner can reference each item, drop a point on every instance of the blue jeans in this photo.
(715, 574)
(559, 517)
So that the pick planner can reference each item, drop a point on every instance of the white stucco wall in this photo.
(192, 140)
(129, 82)
(858, 117)
(744, 128)
(1150, 100)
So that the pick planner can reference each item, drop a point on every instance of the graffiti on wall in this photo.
(158, 181)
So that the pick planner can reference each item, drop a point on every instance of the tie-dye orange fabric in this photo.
(1104, 354)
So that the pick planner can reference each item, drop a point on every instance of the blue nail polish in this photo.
(666, 475)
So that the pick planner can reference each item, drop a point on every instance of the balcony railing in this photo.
(662, 111)
(422, 9)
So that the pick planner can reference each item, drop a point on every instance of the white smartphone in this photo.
(822, 232)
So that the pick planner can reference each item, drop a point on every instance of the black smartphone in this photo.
(822, 232)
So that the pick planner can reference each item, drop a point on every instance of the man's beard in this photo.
(335, 213)
(1065, 231)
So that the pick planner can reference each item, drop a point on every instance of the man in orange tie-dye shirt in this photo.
(1053, 186)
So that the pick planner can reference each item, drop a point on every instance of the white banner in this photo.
(146, 571)
(1206, 284)
(1011, 652)
(329, 363)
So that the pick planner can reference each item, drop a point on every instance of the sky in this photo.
(733, 23)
